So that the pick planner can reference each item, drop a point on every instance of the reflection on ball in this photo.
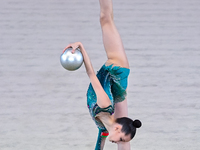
(71, 61)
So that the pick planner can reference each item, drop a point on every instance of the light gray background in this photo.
(43, 106)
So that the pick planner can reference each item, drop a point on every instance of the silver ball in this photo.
(71, 61)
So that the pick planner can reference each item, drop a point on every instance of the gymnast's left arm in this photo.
(86, 59)
(102, 98)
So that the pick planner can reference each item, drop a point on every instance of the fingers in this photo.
(70, 46)
(73, 51)
(66, 48)
(74, 46)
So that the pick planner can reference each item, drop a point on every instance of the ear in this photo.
(118, 128)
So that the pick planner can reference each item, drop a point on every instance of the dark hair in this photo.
(128, 125)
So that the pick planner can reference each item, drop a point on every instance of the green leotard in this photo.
(114, 81)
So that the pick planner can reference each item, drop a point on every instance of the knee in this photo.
(106, 18)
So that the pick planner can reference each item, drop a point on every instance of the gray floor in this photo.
(43, 106)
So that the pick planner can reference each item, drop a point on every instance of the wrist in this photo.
(80, 46)
(79, 43)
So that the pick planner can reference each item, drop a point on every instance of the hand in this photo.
(74, 46)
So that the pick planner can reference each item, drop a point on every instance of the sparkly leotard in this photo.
(114, 81)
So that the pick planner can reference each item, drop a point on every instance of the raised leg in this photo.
(115, 53)
(111, 38)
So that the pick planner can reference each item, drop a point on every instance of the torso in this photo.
(109, 76)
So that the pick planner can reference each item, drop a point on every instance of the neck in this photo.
(107, 120)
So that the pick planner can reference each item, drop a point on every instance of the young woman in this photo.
(106, 95)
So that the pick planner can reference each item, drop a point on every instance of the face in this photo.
(116, 135)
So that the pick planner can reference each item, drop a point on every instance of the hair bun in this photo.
(137, 123)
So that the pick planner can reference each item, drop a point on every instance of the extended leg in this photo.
(111, 38)
(115, 53)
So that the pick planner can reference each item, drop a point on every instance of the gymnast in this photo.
(106, 95)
